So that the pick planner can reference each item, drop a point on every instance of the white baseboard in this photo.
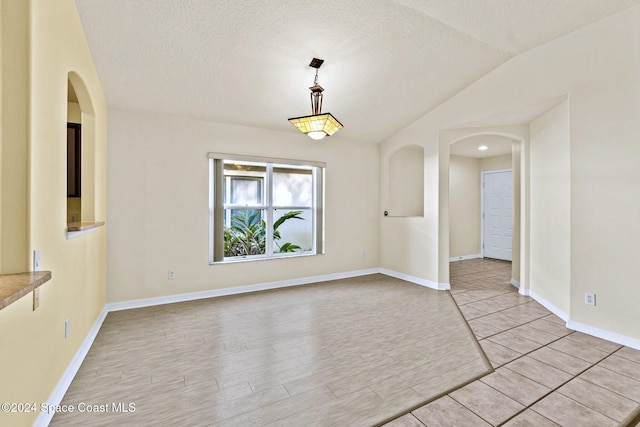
(168, 299)
(587, 329)
(604, 334)
(463, 257)
(416, 280)
(63, 385)
(552, 308)
(515, 283)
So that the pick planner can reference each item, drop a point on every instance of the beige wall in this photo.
(74, 209)
(14, 130)
(550, 207)
(402, 240)
(516, 149)
(74, 114)
(406, 182)
(464, 206)
(159, 195)
(35, 352)
(598, 67)
(495, 163)
(605, 203)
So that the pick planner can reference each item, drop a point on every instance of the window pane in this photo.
(292, 230)
(292, 186)
(244, 182)
(244, 232)
(245, 191)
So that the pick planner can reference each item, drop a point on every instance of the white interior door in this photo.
(497, 216)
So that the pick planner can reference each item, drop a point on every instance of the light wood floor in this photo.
(354, 352)
(546, 374)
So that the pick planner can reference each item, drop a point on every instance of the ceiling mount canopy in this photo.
(317, 125)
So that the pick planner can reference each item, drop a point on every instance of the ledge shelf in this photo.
(75, 229)
(83, 226)
(15, 286)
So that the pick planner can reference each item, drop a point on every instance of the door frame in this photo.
(482, 175)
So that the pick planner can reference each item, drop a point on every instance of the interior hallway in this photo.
(545, 374)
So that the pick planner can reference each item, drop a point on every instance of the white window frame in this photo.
(217, 206)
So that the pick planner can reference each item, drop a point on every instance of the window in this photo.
(264, 208)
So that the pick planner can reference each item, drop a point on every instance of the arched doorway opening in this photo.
(470, 165)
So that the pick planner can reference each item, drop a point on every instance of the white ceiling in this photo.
(387, 62)
(497, 146)
(516, 116)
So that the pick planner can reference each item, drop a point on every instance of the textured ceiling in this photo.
(246, 62)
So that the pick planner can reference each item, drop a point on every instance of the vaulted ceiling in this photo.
(245, 62)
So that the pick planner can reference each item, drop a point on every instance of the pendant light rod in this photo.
(316, 89)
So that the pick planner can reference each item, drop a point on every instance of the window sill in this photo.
(15, 286)
(237, 260)
(75, 229)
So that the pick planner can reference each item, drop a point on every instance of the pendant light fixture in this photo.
(317, 125)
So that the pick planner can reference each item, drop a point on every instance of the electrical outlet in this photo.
(590, 299)
(172, 274)
(36, 260)
(66, 328)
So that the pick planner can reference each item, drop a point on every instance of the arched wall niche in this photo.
(82, 93)
(80, 110)
(405, 182)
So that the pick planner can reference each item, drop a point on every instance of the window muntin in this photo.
(264, 209)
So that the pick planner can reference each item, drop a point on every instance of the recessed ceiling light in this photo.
(483, 148)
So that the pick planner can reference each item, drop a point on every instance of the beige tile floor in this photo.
(354, 352)
(545, 374)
